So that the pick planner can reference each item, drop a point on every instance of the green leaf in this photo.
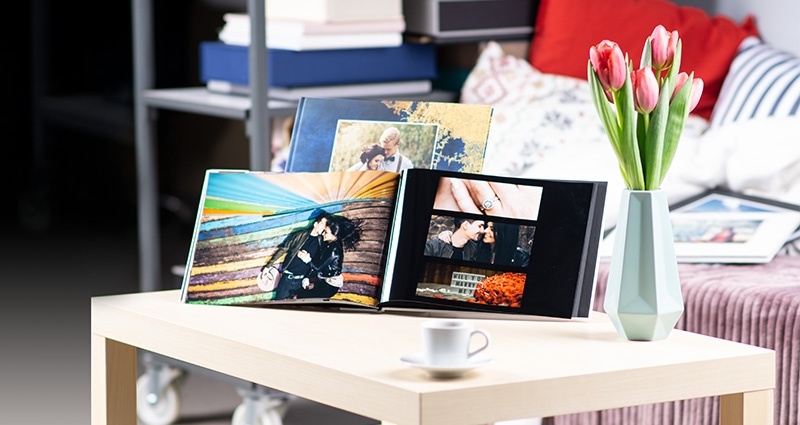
(609, 119)
(629, 145)
(641, 131)
(672, 75)
(654, 150)
(678, 112)
(647, 54)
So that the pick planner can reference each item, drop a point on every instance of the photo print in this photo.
(472, 285)
(472, 260)
(686, 229)
(464, 238)
(381, 145)
(718, 203)
(490, 198)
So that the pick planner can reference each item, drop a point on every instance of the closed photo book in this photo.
(366, 90)
(330, 134)
(287, 68)
(421, 240)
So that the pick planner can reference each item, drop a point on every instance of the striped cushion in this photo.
(762, 82)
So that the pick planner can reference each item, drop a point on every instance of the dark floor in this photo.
(52, 265)
(48, 279)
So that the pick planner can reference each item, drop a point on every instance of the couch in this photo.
(744, 136)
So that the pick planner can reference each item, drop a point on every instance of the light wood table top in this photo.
(352, 361)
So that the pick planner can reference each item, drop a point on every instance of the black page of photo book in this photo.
(553, 276)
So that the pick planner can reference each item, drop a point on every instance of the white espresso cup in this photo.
(446, 342)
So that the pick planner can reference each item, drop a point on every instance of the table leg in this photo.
(113, 382)
(753, 408)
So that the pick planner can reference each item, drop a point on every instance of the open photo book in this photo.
(419, 240)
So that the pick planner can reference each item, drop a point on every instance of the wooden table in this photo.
(351, 361)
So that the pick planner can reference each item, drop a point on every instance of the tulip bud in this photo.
(609, 64)
(645, 89)
(680, 80)
(663, 46)
(697, 89)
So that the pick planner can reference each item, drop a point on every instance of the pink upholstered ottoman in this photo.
(753, 304)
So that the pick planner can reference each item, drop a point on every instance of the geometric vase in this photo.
(643, 294)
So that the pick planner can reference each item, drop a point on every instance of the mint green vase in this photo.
(643, 294)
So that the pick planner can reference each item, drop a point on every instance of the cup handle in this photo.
(485, 342)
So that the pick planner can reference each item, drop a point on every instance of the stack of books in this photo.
(323, 48)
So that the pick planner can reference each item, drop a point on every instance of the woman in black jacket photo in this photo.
(325, 278)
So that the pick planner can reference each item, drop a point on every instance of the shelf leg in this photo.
(146, 160)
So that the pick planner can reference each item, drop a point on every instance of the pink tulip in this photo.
(645, 89)
(697, 89)
(680, 80)
(609, 64)
(663, 46)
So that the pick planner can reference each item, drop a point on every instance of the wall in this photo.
(776, 19)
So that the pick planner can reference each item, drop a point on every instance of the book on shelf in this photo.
(388, 88)
(329, 133)
(335, 10)
(300, 43)
(721, 226)
(415, 241)
(306, 35)
(286, 68)
(240, 23)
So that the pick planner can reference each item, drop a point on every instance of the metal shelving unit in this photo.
(157, 387)
(256, 111)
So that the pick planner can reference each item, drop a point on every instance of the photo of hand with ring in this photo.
(488, 198)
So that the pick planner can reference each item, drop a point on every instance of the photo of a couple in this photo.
(488, 242)
(308, 263)
(382, 146)
(264, 237)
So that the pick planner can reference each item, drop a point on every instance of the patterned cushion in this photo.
(534, 112)
(762, 82)
(545, 126)
(537, 115)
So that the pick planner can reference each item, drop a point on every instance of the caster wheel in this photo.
(281, 409)
(263, 415)
(164, 411)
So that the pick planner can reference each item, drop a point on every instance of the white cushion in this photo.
(545, 126)
(762, 82)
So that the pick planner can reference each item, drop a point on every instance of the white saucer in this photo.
(447, 371)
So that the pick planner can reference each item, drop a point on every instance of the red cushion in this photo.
(565, 29)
